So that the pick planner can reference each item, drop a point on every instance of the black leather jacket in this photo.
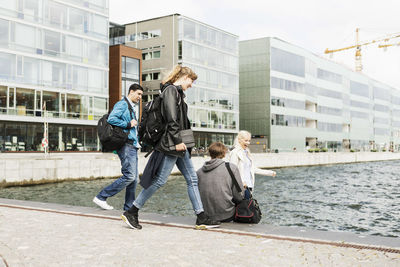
(174, 110)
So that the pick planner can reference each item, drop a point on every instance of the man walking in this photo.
(124, 117)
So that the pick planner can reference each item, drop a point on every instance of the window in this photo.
(100, 107)
(4, 33)
(287, 85)
(19, 65)
(359, 89)
(381, 131)
(330, 111)
(381, 120)
(3, 99)
(52, 100)
(74, 46)
(31, 9)
(287, 62)
(151, 76)
(52, 44)
(25, 101)
(144, 35)
(329, 76)
(80, 78)
(381, 108)
(7, 66)
(151, 55)
(56, 14)
(358, 114)
(95, 80)
(31, 70)
(98, 52)
(330, 93)
(330, 127)
(99, 25)
(180, 50)
(286, 120)
(288, 103)
(395, 100)
(359, 104)
(76, 20)
(156, 54)
(189, 29)
(380, 93)
(77, 106)
(25, 36)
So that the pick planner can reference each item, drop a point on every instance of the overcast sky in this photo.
(311, 24)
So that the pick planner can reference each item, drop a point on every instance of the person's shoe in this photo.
(102, 204)
(203, 222)
(131, 220)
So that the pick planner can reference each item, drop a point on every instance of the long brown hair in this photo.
(179, 72)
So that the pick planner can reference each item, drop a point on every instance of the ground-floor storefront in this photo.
(28, 136)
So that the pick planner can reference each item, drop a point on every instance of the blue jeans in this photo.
(129, 168)
(247, 192)
(185, 165)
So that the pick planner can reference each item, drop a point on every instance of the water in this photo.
(362, 198)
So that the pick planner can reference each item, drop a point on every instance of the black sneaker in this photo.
(203, 222)
(131, 220)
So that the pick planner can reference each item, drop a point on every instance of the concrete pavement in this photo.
(43, 234)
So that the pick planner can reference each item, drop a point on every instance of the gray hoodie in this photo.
(217, 190)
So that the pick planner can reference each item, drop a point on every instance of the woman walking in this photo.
(173, 148)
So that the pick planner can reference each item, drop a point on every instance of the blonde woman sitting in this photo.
(241, 157)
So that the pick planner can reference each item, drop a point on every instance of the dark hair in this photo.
(217, 150)
(134, 87)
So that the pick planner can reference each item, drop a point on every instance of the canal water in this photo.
(362, 198)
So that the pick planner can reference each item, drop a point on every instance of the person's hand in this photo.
(180, 147)
(133, 123)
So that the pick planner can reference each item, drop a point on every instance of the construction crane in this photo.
(358, 45)
(387, 45)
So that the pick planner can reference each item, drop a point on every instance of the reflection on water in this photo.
(361, 198)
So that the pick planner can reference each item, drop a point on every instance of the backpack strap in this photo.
(130, 108)
(233, 177)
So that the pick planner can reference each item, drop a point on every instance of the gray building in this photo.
(54, 72)
(296, 99)
(212, 53)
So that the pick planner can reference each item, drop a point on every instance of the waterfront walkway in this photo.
(44, 234)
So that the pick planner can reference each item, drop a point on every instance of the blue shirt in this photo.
(121, 116)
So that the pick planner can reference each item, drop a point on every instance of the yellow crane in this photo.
(358, 45)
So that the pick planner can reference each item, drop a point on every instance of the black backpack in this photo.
(152, 125)
(247, 210)
(112, 137)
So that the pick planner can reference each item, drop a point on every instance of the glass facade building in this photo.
(53, 68)
(212, 53)
(285, 89)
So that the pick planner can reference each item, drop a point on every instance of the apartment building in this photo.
(298, 100)
(53, 73)
(211, 52)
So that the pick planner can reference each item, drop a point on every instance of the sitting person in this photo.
(241, 157)
(217, 190)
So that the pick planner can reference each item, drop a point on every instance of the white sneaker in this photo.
(102, 204)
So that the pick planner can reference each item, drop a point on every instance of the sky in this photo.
(311, 24)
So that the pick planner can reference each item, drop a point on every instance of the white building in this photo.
(297, 99)
(54, 68)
